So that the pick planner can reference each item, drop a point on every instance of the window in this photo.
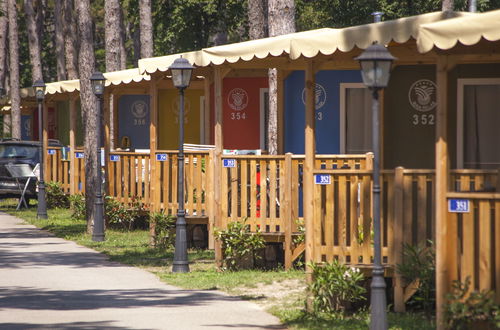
(355, 119)
(478, 123)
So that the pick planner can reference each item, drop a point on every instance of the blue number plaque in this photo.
(79, 155)
(322, 179)
(229, 162)
(161, 157)
(458, 205)
(114, 158)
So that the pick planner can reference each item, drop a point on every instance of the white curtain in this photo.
(358, 121)
(482, 126)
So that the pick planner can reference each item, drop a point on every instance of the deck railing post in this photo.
(287, 208)
(399, 304)
(210, 202)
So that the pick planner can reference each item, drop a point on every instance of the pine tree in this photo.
(15, 97)
(146, 29)
(281, 20)
(86, 65)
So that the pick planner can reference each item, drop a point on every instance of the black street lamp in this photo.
(97, 80)
(376, 64)
(39, 89)
(181, 71)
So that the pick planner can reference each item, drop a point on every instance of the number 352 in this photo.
(422, 120)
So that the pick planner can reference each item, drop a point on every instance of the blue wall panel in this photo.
(327, 110)
(133, 120)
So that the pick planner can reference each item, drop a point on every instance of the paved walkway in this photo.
(50, 283)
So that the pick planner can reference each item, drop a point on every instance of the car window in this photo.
(19, 151)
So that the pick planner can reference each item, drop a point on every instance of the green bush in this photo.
(335, 286)
(55, 196)
(239, 244)
(466, 310)
(164, 229)
(419, 266)
(123, 215)
(77, 206)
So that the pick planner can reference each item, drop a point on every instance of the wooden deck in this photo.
(267, 191)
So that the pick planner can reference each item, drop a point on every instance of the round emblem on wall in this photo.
(422, 95)
(27, 127)
(237, 99)
(319, 96)
(139, 109)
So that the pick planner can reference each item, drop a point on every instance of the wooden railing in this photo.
(476, 241)
(129, 177)
(57, 169)
(196, 169)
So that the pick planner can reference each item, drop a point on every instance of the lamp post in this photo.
(181, 71)
(39, 89)
(375, 64)
(97, 80)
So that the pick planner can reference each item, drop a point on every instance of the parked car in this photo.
(14, 151)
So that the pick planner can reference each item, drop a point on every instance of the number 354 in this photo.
(422, 120)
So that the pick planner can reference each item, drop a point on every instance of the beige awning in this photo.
(466, 30)
(112, 78)
(307, 44)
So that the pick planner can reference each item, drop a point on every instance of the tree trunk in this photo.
(146, 29)
(447, 5)
(15, 97)
(33, 41)
(281, 17)
(3, 43)
(86, 64)
(257, 19)
(59, 41)
(112, 32)
(70, 35)
(123, 37)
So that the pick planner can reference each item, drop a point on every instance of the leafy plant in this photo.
(335, 286)
(464, 310)
(238, 243)
(77, 203)
(164, 229)
(124, 215)
(419, 267)
(55, 196)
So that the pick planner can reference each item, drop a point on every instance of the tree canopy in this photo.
(185, 25)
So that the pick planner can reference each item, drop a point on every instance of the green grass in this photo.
(132, 248)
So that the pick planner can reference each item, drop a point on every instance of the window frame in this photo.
(343, 114)
(461, 83)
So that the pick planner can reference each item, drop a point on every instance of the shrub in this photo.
(123, 215)
(55, 196)
(335, 286)
(238, 244)
(419, 266)
(164, 229)
(77, 206)
(464, 310)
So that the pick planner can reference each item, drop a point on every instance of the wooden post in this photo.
(287, 208)
(399, 304)
(445, 241)
(280, 91)
(107, 139)
(211, 187)
(45, 138)
(309, 165)
(154, 188)
(72, 144)
(207, 94)
(218, 139)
